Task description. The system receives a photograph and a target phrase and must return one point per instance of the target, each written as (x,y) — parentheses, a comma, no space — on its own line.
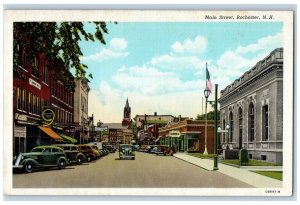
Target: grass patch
(251,162)
(202,156)
(272,174)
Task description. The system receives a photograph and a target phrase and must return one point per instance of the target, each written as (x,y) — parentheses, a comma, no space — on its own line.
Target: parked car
(87,151)
(95,150)
(41,157)
(110,148)
(136,147)
(98,144)
(143,148)
(73,153)
(126,151)
(152,149)
(164,150)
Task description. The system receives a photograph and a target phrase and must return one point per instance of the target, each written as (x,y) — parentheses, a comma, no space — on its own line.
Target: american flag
(209,85)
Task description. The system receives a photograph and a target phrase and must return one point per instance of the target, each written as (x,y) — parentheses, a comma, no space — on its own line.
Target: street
(147,171)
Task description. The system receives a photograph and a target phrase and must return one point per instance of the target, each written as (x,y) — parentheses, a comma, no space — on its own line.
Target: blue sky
(160,67)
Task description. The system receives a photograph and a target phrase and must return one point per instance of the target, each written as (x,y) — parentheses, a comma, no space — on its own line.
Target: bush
(243,157)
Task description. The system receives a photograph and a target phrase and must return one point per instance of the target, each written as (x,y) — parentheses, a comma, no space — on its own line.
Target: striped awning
(51,133)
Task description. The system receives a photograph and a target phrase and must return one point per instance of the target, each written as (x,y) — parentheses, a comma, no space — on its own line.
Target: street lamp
(225,131)
(99,123)
(206,94)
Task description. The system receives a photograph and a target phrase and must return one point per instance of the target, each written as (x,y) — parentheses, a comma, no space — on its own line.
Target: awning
(68,139)
(51,133)
(158,138)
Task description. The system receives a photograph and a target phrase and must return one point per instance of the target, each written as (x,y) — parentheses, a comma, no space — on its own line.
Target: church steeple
(127,114)
(127,110)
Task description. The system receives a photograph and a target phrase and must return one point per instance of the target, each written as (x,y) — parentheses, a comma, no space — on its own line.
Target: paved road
(147,171)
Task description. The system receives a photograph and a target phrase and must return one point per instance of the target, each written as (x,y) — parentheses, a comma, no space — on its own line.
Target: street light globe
(219,129)
(206,93)
(227,127)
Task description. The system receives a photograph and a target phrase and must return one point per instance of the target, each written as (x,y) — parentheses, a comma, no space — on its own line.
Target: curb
(194,164)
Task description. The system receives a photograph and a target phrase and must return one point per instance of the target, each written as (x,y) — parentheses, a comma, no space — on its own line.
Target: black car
(73,153)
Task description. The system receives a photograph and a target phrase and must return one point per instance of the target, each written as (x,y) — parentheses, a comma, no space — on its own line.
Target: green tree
(57,40)
(210,116)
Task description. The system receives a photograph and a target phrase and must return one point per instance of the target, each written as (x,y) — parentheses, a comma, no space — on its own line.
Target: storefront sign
(34,83)
(20,131)
(48,115)
(174,133)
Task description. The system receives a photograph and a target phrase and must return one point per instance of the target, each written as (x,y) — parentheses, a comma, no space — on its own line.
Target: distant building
(148,125)
(81,118)
(127,115)
(253,108)
(188,136)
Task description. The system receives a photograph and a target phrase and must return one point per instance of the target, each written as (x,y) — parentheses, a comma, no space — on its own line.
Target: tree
(57,40)
(210,116)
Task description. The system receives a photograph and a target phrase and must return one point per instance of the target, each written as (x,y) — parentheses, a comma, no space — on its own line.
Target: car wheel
(79,160)
(28,167)
(133,158)
(88,159)
(61,164)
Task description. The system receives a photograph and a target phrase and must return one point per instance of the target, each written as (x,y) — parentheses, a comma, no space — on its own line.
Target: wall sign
(48,115)
(34,83)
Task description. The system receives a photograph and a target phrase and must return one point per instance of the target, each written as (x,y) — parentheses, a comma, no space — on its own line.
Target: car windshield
(37,150)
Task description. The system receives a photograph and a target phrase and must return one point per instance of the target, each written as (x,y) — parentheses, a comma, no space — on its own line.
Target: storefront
(187,136)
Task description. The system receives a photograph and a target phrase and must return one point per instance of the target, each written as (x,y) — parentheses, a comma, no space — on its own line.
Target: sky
(160,67)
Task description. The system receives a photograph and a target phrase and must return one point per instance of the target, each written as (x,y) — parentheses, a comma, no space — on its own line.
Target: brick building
(39,84)
(188,136)
(252,107)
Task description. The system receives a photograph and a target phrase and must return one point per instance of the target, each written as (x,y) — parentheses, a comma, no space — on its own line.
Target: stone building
(81,109)
(252,107)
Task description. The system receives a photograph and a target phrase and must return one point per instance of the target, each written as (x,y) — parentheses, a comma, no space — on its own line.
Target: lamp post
(227,128)
(99,123)
(206,94)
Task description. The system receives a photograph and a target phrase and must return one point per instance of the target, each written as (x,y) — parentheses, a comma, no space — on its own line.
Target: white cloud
(196,46)
(265,43)
(171,62)
(118,43)
(116,50)
(151,81)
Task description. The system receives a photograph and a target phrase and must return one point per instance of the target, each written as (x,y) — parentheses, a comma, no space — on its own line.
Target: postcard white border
(11,16)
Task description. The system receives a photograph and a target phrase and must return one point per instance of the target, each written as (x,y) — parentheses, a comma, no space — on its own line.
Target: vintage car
(126,151)
(72,152)
(87,150)
(95,150)
(164,150)
(41,157)
(152,149)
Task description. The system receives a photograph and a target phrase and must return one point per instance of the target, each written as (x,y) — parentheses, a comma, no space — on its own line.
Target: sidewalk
(242,174)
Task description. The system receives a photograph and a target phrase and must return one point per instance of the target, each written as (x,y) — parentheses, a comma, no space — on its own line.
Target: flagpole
(205,149)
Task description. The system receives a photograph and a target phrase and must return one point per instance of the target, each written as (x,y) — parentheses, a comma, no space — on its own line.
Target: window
(240,127)
(224,127)
(265,123)
(34,104)
(19,104)
(231,126)
(45,73)
(22,58)
(263,157)
(24,100)
(35,68)
(29,102)
(251,122)
(52,85)
(38,105)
